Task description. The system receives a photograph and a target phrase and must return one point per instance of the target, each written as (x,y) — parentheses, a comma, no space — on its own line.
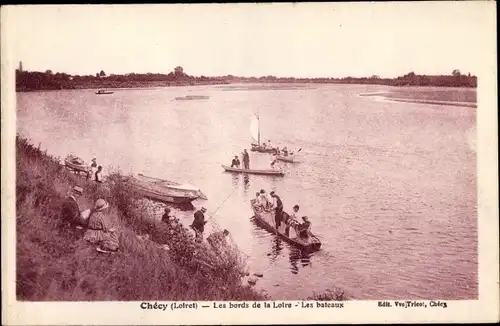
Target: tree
(456,72)
(102,73)
(178,71)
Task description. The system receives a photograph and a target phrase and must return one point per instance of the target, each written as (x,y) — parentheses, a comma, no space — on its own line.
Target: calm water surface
(390,187)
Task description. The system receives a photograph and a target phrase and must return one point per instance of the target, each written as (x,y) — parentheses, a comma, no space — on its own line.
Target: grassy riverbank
(56,264)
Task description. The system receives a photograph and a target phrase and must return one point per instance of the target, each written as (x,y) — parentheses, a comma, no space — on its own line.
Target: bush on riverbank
(56,264)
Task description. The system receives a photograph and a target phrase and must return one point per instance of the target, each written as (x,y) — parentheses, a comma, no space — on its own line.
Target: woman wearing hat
(100,231)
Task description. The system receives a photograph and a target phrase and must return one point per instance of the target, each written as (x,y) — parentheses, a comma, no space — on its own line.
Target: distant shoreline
(33,81)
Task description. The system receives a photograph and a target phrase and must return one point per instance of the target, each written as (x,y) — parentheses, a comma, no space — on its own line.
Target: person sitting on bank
(98,174)
(235,163)
(166,218)
(218,240)
(100,231)
(71,214)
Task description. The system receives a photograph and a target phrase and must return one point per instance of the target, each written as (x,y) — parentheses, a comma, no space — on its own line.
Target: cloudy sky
(301,40)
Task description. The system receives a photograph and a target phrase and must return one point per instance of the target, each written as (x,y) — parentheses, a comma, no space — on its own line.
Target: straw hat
(78,190)
(203,209)
(100,205)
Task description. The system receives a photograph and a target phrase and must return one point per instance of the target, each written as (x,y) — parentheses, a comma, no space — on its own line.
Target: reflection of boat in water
(266,221)
(296,256)
(76,163)
(192,97)
(251,171)
(103,92)
(163,190)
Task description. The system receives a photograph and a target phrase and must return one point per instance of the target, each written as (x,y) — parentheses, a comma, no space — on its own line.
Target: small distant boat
(102,92)
(255,132)
(266,221)
(192,97)
(289,159)
(250,171)
(76,163)
(165,191)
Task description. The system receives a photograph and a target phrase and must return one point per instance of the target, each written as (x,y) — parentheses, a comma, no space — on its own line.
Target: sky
(296,40)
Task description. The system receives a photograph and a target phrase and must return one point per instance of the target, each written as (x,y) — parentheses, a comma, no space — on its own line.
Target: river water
(390,187)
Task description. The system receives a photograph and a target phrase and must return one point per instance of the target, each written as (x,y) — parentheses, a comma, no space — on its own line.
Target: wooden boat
(289,158)
(266,221)
(255,132)
(188,188)
(103,92)
(250,171)
(192,97)
(161,190)
(261,149)
(76,163)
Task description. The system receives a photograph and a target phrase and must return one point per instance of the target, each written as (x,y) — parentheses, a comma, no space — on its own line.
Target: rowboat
(250,171)
(187,188)
(103,92)
(289,159)
(266,220)
(192,97)
(162,190)
(76,163)
(261,149)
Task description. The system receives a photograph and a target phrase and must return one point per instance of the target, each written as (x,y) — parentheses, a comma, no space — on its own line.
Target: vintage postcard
(249,163)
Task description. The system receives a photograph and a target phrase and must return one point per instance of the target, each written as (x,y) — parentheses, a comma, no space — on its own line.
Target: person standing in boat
(246,160)
(199,223)
(263,200)
(278,210)
(235,163)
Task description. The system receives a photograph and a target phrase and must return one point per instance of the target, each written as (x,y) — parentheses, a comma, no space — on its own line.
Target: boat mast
(258,120)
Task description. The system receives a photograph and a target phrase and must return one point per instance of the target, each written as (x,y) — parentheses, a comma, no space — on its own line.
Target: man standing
(246,160)
(199,223)
(279,209)
(71,214)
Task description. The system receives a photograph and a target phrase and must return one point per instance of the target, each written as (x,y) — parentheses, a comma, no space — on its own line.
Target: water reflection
(277,247)
(235,179)
(246,183)
(298,259)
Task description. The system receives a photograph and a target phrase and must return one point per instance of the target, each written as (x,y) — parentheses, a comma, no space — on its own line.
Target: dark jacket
(199,221)
(70,211)
(235,162)
(279,203)
(246,157)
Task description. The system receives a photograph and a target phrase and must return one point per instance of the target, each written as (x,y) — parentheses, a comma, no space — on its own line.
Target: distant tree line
(33,80)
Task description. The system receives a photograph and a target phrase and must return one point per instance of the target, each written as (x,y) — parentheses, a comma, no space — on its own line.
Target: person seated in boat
(235,163)
(98,174)
(264,145)
(285,151)
(263,200)
(274,164)
(269,145)
(304,228)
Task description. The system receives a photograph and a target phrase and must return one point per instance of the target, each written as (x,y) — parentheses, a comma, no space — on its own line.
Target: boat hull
(75,166)
(158,192)
(259,172)
(266,221)
(289,159)
(260,149)
(104,93)
(187,189)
